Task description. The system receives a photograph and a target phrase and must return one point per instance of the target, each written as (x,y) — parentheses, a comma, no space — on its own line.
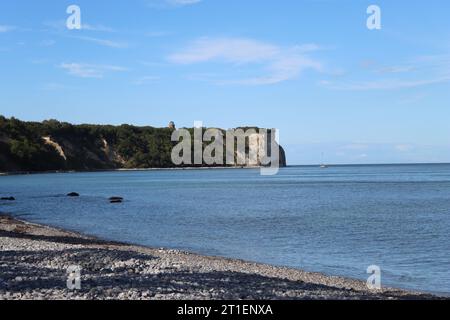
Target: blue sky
(310,68)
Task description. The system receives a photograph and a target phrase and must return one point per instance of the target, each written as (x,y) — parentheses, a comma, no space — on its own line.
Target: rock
(8,199)
(116,199)
(73,194)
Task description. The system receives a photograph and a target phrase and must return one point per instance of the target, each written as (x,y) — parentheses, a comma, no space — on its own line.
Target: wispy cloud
(279,63)
(439,63)
(373,66)
(396,69)
(47,43)
(183,2)
(414,73)
(98,28)
(145,80)
(54,86)
(226,49)
(412,98)
(39,61)
(103,42)
(171,3)
(85,34)
(4,29)
(60,25)
(84,70)
(153,64)
(389,84)
(157,34)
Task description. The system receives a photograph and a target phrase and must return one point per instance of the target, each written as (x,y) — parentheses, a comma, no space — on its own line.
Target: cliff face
(256,142)
(283,161)
(52,145)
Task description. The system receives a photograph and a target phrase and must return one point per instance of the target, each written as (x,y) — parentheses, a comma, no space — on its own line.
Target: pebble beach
(34,260)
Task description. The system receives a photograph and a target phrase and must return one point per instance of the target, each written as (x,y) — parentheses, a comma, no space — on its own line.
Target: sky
(337,91)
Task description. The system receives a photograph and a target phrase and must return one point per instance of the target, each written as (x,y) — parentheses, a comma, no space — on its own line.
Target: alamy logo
(74,278)
(374,281)
(250,147)
(74,20)
(374,20)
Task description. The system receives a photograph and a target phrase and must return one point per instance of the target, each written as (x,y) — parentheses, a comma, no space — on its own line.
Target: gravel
(34,260)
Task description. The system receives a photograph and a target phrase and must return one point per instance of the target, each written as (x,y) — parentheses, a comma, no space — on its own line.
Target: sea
(338,220)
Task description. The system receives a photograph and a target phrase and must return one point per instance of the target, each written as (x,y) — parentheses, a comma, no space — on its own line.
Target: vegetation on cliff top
(23,146)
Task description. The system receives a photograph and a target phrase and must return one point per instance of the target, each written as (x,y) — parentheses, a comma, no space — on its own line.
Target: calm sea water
(337,221)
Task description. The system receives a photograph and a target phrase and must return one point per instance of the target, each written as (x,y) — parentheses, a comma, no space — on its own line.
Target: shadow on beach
(71,240)
(108,273)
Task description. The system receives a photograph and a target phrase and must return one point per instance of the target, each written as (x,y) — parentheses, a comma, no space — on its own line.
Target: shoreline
(20,173)
(35,259)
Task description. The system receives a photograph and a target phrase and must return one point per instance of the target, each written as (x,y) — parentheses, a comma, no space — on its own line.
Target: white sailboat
(323,165)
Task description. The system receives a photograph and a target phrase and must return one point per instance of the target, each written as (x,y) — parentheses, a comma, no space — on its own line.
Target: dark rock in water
(8,199)
(73,194)
(116,199)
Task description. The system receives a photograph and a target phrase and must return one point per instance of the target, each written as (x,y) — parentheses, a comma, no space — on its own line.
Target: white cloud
(39,61)
(283,69)
(84,70)
(54,86)
(103,42)
(60,25)
(385,84)
(4,29)
(412,98)
(396,69)
(47,43)
(417,72)
(146,79)
(183,2)
(153,63)
(156,34)
(280,64)
(233,50)
(98,27)
(86,29)
(171,3)
(437,60)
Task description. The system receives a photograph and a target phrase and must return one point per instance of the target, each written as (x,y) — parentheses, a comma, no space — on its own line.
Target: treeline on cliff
(22,147)
(84,147)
